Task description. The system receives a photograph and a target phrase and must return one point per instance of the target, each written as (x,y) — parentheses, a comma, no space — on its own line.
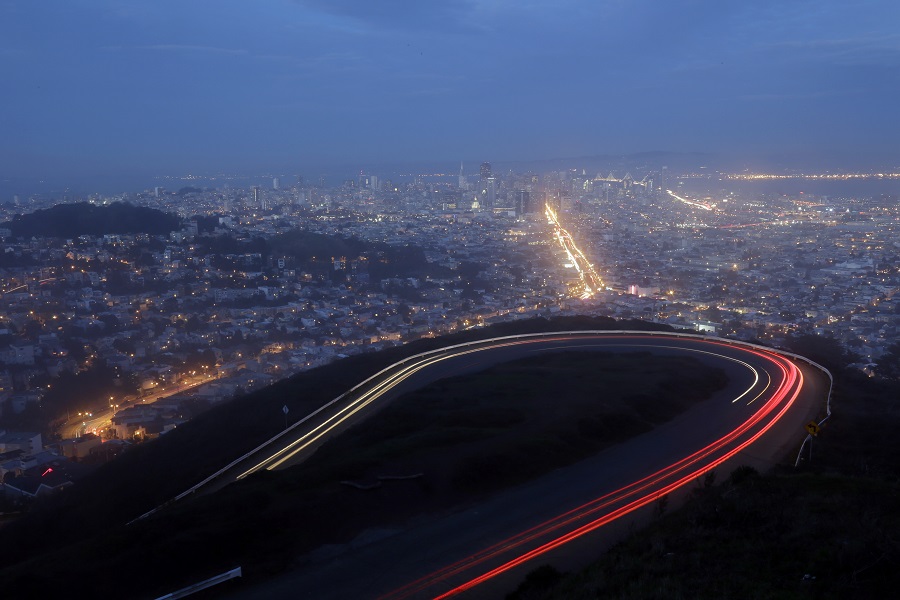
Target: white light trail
(689,202)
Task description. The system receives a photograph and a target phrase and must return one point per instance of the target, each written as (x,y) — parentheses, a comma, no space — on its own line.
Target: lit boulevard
(590,281)
(693,203)
(99,421)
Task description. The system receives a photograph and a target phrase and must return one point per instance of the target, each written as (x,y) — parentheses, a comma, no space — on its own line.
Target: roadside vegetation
(515,421)
(749,535)
(267,521)
(828,529)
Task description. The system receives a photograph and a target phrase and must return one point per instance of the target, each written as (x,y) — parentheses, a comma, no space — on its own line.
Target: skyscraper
(523,202)
(487,187)
(491,193)
(462,178)
(259,200)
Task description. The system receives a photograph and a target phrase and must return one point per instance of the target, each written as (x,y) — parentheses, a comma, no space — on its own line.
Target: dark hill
(382,260)
(835,519)
(153,473)
(83,218)
(826,529)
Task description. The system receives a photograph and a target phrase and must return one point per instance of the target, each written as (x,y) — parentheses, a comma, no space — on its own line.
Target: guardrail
(193,489)
(208,583)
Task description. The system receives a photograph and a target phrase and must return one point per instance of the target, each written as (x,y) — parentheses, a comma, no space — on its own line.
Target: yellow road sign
(813,428)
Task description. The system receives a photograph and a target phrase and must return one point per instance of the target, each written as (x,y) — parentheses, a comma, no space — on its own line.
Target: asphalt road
(569,516)
(101,419)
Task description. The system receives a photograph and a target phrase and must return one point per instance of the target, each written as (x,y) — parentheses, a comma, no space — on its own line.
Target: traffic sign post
(813,428)
(285,410)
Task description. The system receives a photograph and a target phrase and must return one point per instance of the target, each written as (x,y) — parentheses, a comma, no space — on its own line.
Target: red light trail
(613,505)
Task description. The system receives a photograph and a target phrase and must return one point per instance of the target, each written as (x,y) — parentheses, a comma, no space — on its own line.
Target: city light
(591,283)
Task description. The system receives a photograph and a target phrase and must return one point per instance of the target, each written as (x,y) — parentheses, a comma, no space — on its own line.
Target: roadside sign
(813,428)
(284,409)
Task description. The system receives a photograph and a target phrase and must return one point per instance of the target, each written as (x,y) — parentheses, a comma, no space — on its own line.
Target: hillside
(153,473)
(827,529)
(382,260)
(458,440)
(83,218)
(834,518)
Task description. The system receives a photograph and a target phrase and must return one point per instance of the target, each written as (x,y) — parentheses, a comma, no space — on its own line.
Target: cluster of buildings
(757,267)
(201,314)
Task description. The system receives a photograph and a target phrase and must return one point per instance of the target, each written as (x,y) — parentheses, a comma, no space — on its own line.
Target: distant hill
(384,260)
(316,251)
(82,218)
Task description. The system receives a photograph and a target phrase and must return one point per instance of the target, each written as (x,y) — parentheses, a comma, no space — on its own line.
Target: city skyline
(343,298)
(108,90)
(216,318)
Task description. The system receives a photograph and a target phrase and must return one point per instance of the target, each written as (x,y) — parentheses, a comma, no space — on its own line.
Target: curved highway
(571,513)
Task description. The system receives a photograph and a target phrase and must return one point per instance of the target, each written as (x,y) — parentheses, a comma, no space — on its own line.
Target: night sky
(100,87)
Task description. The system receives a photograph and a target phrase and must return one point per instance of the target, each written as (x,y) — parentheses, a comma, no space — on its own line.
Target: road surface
(571,514)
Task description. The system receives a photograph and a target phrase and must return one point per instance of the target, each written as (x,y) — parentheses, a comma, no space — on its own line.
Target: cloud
(193,48)
(432,15)
(697,65)
(801,95)
(850,51)
(330,60)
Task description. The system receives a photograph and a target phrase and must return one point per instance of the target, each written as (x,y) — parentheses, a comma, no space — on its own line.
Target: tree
(825,350)
(32,328)
(404,311)
(111,322)
(125,346)
(889,363)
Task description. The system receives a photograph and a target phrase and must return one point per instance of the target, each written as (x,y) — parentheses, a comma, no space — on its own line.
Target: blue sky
(203,86)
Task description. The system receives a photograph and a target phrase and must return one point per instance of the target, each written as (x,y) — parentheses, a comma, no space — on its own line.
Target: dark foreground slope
(83,218)
(449,445)
(827,529)
(153,473)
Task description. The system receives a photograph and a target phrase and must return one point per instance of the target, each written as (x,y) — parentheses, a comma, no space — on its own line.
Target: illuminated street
(591,282)
(99,421)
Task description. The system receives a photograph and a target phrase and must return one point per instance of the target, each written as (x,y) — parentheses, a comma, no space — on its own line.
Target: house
(18,354)
(79,448)
(48,475)
(26,441)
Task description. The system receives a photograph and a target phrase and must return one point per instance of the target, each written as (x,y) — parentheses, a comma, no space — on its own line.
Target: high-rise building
(523,203)
(450,199)
(258,201)
(276,184)
(486,170)
(487,193)
(462,178)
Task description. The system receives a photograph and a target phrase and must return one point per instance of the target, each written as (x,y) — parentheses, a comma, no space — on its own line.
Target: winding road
(570,515)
